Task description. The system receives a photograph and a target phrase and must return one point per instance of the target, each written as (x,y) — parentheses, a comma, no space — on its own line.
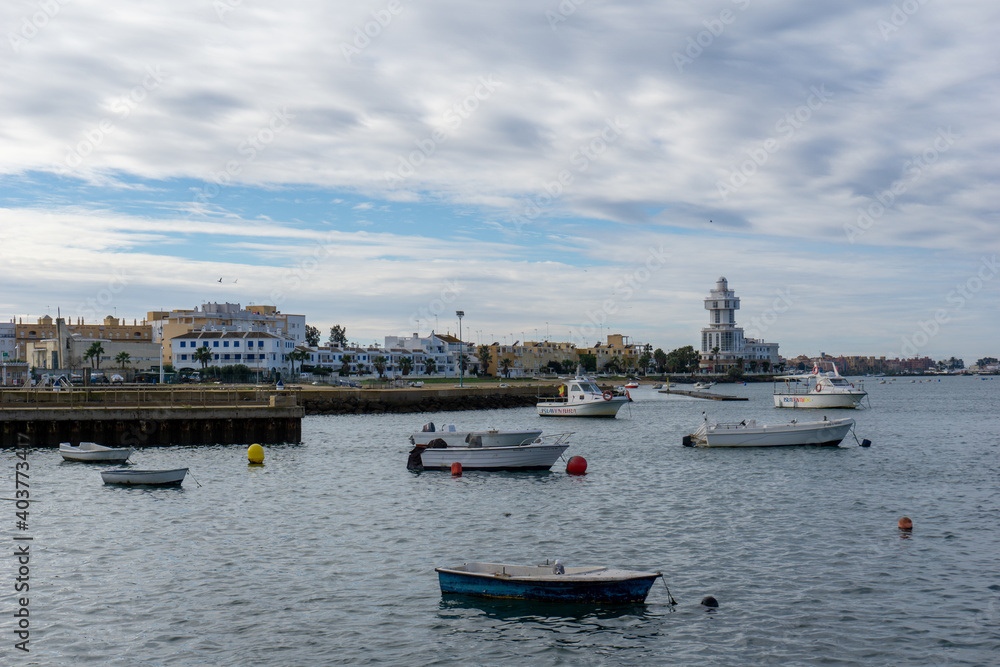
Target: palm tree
(405,365)
(93,354)
(297,355)
(379,363)
(123,359)
(504,366)
(715,357)
(463,362)
(430,366)
(203,355)
(484,358)
(345,365)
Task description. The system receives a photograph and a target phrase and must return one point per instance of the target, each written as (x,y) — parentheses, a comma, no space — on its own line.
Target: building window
(237,357)
(225,356)
(215,343)
(184,357)
(182,344)
(236,343)
(225,343)
(216,357)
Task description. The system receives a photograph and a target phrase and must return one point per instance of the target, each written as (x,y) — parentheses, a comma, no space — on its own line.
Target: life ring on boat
(607,396)
(819,387)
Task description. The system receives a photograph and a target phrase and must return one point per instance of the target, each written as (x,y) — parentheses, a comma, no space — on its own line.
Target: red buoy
(905,523)
(456,469)
(577,465)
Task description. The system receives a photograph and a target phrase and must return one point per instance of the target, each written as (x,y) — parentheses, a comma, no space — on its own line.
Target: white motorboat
(144,477)
(581,397)
(489,437)
(93,452)
(703,386)
(818,389)
(538,454)
(750,434)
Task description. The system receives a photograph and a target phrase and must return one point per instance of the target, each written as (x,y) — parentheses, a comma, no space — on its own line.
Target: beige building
(533,357)
(67,353)
(112,328)
(167,325)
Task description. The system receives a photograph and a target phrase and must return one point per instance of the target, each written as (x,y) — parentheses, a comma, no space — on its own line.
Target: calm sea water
(326,554)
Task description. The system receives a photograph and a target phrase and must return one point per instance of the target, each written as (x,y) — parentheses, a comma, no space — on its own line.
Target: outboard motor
(686,441)
(428,427)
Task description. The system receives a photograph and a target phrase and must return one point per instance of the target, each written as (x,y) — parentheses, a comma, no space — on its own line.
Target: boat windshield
(838,382)
(588,387)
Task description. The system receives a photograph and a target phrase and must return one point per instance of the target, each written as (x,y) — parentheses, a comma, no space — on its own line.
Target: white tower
(721,332)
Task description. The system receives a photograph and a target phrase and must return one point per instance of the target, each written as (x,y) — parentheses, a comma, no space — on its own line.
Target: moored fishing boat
(90,452)
(748,433)
(581,397)
(818,389)
(547,582)
(489,437)
(144,477)
(539,454)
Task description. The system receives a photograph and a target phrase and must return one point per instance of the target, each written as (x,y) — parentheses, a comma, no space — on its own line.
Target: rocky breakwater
(323,401)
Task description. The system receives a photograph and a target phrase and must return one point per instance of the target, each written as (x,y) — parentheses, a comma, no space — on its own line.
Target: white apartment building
(258,350)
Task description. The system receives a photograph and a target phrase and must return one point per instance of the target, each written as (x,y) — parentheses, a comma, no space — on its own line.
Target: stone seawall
(381,401)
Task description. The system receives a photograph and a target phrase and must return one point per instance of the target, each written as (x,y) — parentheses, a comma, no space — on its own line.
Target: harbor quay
(159,416)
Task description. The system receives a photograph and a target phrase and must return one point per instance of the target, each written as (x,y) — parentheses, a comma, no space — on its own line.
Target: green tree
(203,355)
(338,336)
(463,362)
(589,362)
(483,353)
(379,363)
(312,336)
(504,366)
(765,366)
(93,354)
(297,355)
(123,359)
(660,357)
(430,366)
(715,357)
(345,365)
(405,365)
(644,361)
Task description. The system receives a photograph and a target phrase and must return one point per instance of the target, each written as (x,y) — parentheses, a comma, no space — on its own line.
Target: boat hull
(825,433)
(597,408)
(609,586)
(525,457)
(819,400)
(144,477)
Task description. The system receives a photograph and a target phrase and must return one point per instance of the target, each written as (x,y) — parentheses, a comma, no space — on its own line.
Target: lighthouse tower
(721,332)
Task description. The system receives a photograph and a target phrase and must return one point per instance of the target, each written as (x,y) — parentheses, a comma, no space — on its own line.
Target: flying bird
(220,280)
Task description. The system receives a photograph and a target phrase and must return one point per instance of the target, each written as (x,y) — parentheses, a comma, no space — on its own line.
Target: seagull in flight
(220,280)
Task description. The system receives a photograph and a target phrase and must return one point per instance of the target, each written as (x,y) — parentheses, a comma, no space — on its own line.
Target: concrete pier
(703,394)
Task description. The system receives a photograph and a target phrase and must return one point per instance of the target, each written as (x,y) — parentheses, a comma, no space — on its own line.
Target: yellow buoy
(255,454)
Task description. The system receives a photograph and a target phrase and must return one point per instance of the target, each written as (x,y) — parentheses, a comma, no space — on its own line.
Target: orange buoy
(905,524)
(577,465)
(456,469)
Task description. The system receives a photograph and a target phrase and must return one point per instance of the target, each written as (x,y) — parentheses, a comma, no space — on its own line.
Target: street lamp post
(461,349)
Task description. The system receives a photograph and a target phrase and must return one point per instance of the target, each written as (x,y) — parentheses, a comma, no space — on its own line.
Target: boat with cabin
(581,397)
(817,389)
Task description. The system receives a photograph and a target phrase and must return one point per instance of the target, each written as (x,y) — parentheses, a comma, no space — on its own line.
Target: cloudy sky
(562,169)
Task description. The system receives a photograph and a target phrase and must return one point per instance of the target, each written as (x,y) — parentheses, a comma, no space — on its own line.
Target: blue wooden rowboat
(527,582)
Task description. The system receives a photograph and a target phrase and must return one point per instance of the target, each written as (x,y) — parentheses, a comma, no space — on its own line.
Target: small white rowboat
(144,477)
(91,451)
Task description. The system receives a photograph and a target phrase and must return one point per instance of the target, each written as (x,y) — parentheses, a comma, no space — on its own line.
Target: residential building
(166,325)
(67,353)
(258,350)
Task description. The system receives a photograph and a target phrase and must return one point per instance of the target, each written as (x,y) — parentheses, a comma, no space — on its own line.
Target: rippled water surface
(326,554)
